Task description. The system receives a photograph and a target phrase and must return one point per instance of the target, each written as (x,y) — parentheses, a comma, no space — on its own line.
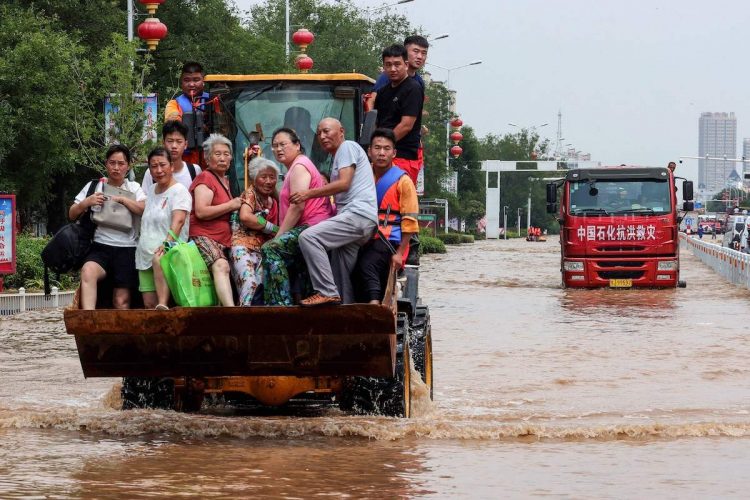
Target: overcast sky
(630,77)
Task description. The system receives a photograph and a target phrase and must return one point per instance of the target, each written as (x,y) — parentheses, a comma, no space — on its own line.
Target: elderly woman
(259,218)
(168,204)
(283,252)
(213,205)
(112,253)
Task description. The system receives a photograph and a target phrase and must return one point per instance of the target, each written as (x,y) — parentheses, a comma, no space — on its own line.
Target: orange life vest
(389,209)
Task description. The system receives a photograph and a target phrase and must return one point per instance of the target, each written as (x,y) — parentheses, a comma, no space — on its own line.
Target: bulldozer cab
(249,108)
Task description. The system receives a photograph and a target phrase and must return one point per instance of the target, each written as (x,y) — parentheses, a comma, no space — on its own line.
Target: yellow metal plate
(621,283)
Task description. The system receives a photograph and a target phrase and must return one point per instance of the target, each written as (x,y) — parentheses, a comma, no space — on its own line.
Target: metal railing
(12,303)
(731,264)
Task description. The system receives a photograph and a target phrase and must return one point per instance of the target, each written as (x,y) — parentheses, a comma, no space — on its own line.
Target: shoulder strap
(384,183)
(221,183)
(191,169)
(92,187)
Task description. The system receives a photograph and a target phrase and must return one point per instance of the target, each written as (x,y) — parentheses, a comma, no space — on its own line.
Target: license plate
(621,283)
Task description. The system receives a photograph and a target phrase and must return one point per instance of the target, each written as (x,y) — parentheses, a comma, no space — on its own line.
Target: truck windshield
(299,106)
(620,197)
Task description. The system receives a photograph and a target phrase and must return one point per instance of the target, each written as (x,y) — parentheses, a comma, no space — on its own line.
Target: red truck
(619,226)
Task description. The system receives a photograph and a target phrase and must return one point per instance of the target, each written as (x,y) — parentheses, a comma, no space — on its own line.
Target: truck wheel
(147,392)
(188,394)
(383,396)
(421,345)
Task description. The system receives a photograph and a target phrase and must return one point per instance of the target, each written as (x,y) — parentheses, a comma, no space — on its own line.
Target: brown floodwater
(539,391)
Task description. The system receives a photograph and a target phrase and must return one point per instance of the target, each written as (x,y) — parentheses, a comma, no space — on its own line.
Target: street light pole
(131,14)
(518,221)
(286,28)
(505,221)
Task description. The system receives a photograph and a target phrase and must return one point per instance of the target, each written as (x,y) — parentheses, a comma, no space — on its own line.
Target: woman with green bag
(168,204)
(213,205)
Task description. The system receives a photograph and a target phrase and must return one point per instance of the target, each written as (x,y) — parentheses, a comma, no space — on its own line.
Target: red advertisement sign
(7,233)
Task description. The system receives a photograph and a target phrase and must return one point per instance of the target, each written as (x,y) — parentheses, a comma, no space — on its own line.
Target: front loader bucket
(358,339)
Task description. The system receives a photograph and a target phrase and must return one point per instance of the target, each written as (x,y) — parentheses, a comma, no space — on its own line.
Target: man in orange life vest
(398,208)
(190,108)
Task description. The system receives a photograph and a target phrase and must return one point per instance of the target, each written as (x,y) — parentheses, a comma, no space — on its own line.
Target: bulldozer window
(297,106)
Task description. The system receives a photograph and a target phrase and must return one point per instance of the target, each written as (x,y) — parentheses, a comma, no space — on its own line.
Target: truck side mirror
(688,206)
(551,208)
(687,190)
(551,192)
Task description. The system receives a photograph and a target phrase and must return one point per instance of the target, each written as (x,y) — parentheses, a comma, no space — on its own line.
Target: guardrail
(12,303)
(731,264)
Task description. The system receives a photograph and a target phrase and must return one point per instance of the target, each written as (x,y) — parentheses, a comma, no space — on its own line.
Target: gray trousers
(342,235)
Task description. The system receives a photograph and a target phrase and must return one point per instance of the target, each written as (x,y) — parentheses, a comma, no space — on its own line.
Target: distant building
(745,169)
(717,137)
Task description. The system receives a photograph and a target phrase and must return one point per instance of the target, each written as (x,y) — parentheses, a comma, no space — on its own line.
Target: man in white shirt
(174,135)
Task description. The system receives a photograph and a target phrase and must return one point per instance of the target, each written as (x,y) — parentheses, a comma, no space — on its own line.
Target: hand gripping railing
(731,264)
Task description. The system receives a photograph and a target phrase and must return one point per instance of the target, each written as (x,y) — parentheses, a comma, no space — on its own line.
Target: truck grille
(609,275)
(620,264)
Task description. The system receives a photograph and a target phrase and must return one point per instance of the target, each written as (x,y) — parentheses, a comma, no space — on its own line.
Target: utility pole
(505,221)
(518,222)
(559,141)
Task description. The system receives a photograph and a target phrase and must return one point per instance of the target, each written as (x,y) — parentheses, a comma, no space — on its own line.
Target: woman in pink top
(282,254)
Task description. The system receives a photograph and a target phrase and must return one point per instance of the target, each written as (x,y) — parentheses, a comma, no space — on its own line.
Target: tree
(38,98)
(437,115)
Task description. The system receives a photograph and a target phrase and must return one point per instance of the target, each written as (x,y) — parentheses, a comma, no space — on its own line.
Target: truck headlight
(666,265)
(572,265)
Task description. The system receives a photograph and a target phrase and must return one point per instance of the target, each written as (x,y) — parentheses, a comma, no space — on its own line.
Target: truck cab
(733,231)
(618,227)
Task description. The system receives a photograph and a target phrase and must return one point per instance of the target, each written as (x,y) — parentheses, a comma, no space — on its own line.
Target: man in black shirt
(399,106)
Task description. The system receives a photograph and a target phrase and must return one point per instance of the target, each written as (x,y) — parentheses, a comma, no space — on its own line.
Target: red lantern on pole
(456,137)
(151,5)
(152,31)
(303,38)
(456,122)
(304,63)
(456,151)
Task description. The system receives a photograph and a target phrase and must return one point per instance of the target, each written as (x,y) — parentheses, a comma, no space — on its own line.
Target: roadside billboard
(7,234)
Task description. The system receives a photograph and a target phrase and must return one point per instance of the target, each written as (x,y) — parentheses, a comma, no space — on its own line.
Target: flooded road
(538,391)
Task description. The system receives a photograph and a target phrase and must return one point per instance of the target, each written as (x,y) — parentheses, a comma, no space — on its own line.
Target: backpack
(191,169)
(69,246)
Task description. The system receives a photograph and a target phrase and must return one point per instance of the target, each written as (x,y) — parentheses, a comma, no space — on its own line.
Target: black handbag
(68,248)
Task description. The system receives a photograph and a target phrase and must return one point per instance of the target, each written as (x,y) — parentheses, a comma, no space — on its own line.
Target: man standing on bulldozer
(190,108)
(399,105)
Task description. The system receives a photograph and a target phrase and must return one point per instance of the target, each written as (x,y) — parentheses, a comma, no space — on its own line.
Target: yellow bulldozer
(357,356)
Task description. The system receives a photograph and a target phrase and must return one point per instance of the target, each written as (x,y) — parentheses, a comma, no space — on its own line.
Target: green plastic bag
(188,277)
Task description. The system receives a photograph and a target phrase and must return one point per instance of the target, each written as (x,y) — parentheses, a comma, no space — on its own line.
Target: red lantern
(151,5)
(304,63)
(303,38)
(456,122)
(456,151)
(152,31)
(456,137)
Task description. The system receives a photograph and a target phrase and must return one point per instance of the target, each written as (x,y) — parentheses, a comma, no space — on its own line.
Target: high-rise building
(717,137)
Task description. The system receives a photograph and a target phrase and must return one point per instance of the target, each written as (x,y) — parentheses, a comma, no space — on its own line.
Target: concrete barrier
(731,264)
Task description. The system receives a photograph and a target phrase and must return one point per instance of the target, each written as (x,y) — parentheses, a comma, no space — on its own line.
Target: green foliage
(479,236)
(428,244)
(450,238)
(29,268)
(467,238)
(37,103)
